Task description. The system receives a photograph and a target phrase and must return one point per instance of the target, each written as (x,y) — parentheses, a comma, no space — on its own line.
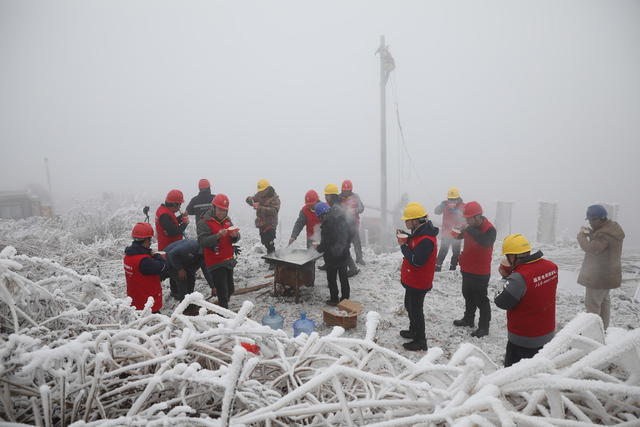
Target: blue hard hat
(596,212)
(321,208)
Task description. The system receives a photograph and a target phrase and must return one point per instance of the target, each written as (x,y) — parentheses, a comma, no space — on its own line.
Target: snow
(65,320)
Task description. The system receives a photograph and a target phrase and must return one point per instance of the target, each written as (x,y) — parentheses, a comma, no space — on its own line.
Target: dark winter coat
(184,254)
(602,266)
(334,237)
(153,266)
(200,203)
(267,210)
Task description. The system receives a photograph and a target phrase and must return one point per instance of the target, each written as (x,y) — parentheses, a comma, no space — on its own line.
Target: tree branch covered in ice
(68,358)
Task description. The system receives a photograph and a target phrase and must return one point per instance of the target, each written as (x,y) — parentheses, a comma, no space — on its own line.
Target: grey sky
(521,101)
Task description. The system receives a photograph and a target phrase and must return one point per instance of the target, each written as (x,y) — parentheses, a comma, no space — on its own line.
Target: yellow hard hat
(413,211)
(453,193)
(263,184)
(331,189)
(515,244)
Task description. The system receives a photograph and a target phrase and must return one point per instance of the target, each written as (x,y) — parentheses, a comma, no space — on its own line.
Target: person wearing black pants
(223,281)
(445,244)
(184,257)
(267,238)
(516,353)
(266,202)
(418,268)
(528,296)
(334,246)
(414,304)
(479,235)
(335,270)
(474,291)
(216,236)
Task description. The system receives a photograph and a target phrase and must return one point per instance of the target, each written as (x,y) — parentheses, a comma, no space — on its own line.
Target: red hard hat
(204,183)
(472,209)
(174,196)
(142,230)
(311,198)
(347,185)
(221,201)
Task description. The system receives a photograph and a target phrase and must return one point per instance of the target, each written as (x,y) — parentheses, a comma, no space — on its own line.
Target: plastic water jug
(273,319)
(303,325)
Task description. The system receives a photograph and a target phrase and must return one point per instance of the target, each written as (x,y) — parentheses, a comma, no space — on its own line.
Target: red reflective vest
(224,249)
(163,239)
(451,217)
(419,277)
(312,221)
(535,314)
(139,286)
(476,259)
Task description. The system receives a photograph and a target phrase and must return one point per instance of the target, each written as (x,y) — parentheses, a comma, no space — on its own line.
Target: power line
(402,137)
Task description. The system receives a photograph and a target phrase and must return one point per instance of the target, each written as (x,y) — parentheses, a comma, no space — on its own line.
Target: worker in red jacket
(307,218)
(529,296)
(419,251)
(451,211)
(216,236)
(479,235)
(170,228)
(143,269)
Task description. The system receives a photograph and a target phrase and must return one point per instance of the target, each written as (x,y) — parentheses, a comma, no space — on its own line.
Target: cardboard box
(347,321)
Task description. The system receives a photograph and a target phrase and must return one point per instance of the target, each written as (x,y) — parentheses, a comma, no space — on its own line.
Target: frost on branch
(67,358)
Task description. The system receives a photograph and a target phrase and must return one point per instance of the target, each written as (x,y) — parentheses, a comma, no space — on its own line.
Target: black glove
(237,250)
(249,200)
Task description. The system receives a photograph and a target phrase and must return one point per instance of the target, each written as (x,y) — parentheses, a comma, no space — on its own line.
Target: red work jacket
(139,286)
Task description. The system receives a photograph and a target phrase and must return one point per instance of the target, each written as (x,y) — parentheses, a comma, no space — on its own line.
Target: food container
(344,315)
(402,237)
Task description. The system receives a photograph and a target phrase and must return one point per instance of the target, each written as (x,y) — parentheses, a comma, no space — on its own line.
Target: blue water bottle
(273,319)
(303,325)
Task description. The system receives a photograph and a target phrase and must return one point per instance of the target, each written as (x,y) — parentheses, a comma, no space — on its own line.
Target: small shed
(20,204)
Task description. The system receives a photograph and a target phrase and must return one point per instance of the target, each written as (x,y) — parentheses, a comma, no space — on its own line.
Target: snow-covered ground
(91,241)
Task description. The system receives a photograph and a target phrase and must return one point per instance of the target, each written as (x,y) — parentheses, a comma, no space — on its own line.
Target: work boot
(480,332)
(352,273)
(360,261)
(463,322)
(332,302)
(453,267)
(322,267)
(416,345)
(438,268)
(407,334)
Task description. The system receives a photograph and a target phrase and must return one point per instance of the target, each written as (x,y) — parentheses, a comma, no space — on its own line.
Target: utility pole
(46,166)
(383,137)
(387,64)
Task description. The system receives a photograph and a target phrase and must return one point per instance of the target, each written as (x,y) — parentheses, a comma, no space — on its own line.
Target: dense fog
(516,101)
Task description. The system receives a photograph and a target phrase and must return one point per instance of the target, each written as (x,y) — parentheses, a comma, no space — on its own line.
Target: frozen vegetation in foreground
(72,353)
